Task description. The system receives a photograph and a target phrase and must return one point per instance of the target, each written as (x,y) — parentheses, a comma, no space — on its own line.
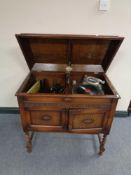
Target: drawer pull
(46,117)
(88,121)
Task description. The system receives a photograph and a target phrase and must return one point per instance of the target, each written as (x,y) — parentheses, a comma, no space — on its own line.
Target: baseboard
(9,110)
(121,114)
(15,110)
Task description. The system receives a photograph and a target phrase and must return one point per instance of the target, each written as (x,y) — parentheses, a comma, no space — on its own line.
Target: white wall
(62,16)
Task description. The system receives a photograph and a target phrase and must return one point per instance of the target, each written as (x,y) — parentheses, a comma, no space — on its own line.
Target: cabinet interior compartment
(60,78)
(47,81)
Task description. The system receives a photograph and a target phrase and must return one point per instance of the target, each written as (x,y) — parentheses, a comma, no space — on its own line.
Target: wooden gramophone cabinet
(48,56)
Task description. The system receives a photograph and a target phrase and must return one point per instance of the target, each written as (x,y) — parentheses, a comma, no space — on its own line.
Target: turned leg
(102,143)
(28,138)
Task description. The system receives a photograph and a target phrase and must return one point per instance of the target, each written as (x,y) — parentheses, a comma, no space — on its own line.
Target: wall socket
(104,5)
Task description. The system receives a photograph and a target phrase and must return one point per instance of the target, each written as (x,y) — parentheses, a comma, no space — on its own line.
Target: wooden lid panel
(69,49)
(48,51)
(89,51)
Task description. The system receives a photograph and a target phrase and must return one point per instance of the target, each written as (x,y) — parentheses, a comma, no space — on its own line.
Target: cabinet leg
(28,138)
(129,111)
(102,143)
(129,108)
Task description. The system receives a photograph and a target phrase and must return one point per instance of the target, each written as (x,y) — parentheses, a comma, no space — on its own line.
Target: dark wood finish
(84,119)
(65,49)
(48,56)
(55,119)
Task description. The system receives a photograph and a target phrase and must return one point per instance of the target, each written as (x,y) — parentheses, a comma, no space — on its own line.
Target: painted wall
(62,16)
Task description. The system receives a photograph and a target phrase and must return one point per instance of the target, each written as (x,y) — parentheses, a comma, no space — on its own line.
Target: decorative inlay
(46,117)
(88,121)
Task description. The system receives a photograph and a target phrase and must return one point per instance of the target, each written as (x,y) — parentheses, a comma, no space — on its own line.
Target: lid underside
(69,49)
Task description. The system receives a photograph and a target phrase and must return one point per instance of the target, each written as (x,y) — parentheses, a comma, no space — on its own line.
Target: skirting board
(9,110)
(15,110)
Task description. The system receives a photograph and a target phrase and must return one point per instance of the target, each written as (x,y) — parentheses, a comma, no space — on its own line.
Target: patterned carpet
(64,154)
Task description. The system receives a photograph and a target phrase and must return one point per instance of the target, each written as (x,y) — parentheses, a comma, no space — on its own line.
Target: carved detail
(88,121)
(84,123)
(46,117)
(66,105)
(67,99)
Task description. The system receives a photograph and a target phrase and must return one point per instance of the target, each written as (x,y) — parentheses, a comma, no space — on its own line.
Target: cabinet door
(48,120)
(87,120)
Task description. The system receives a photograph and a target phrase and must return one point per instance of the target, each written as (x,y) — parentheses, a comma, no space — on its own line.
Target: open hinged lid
(69,49)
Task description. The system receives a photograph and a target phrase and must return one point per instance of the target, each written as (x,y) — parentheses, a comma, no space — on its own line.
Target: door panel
(49,119)
(85,119)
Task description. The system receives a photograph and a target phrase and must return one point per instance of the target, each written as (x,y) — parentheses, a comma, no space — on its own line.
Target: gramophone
(90,85)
